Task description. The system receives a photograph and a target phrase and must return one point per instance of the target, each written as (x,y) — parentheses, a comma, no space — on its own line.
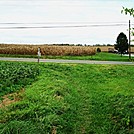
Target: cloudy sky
(63,21)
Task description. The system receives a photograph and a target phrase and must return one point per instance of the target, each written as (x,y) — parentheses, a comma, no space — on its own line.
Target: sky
(63,21)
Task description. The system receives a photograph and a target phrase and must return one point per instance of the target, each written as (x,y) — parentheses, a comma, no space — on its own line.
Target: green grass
(18,56)
(103,56)
(74,99)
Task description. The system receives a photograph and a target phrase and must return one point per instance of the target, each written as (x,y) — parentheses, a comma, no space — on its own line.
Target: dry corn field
(105,48)
(47,50)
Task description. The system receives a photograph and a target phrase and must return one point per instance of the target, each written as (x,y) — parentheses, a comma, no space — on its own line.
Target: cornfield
(47,50)
(105,48)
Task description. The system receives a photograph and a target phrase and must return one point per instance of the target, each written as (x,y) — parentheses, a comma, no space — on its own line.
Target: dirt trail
(11,98)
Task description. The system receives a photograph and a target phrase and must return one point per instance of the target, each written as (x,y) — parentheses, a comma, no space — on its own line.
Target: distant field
(51,49)
(69,99)
(46,50)
(61,52)
(105,48)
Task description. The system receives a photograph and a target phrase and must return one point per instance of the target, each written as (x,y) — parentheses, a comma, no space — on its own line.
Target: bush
(14,75)
(98,50)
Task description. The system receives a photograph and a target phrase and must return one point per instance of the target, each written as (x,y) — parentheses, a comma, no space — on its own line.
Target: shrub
(98,50)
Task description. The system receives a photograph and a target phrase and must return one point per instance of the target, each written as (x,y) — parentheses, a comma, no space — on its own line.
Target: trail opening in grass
(11,98)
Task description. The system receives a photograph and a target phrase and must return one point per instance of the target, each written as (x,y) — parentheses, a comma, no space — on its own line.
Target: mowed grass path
(74,99)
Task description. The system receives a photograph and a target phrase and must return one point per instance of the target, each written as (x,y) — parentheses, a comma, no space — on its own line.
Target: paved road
(65,61)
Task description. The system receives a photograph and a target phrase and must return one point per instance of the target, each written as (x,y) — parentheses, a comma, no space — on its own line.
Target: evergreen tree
(121,43)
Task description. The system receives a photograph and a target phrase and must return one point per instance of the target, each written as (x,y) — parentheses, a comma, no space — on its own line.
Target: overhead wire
(47,25)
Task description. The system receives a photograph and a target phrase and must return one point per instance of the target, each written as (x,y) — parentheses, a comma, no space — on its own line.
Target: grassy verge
(99,56)
(18,56)
(74,99)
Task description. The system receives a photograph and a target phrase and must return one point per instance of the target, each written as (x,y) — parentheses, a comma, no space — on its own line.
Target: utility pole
(129,45)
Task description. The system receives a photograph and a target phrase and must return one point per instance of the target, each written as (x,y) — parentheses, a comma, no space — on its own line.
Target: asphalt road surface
(66,61)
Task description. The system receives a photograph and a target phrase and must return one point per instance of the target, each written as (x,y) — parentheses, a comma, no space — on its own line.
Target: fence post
(39,54)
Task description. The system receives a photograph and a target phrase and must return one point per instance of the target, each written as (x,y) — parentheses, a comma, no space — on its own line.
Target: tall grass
(74,99)
(46,50)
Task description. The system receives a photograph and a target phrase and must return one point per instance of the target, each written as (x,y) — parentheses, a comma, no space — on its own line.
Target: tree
(129,11)
(121,43)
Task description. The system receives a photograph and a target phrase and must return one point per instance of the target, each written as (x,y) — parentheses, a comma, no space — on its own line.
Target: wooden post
(39,54)
(129,44)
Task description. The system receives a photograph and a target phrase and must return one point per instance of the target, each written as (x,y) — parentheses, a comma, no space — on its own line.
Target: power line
(64,26)
(48,25)
(16,23)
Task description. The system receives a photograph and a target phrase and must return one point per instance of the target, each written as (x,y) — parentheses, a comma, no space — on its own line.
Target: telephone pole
(129,44)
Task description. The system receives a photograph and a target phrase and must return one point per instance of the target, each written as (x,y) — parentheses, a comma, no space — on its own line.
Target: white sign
(39,53)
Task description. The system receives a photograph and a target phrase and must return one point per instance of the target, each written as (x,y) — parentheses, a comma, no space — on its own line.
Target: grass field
(103,56)
(74,99)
